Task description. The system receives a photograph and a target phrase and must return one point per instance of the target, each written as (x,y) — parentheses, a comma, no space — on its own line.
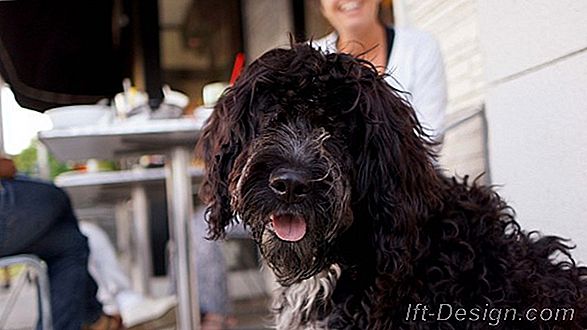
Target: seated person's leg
(115,290)
(105,268)
(30,208)
(212,274)
(36,217)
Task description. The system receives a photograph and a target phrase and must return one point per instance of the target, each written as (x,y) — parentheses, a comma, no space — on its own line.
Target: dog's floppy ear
(393,153)
(396,180)
(226,135)
(222,140)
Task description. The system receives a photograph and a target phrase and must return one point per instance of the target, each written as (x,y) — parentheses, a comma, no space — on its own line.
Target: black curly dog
(334,176)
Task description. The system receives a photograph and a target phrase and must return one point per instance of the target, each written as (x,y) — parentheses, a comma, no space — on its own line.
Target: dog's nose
(291,186)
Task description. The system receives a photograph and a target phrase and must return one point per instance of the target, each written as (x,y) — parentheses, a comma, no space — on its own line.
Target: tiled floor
(251,313)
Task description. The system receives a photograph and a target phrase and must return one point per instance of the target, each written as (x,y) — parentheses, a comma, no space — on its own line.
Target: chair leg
(15,291)
(6,278)
(40,269)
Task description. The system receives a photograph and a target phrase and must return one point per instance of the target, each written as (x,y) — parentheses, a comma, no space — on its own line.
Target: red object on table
(239,63)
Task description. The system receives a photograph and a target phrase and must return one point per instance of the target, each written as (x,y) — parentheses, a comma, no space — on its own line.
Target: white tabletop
(124,177)
(91,189)
(110,141)
(174,137)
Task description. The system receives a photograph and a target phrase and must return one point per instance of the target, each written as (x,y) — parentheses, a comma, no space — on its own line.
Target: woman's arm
(430,90)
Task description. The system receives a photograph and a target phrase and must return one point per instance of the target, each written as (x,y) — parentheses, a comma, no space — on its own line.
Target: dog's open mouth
(288,227)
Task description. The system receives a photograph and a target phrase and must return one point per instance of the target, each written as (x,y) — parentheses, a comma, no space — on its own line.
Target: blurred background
(516,71)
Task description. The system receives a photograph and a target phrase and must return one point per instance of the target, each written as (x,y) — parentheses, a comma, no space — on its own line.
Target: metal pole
(2,150)
(43,161)
(123,235)
(140,205)
(45,289)
(179,192)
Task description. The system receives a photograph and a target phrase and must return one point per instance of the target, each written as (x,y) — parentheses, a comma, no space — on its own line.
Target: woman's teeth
(348,6)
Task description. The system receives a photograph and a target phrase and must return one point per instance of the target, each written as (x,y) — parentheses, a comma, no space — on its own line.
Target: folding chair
(38,270)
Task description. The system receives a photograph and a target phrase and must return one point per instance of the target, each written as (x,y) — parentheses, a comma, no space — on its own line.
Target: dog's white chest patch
(295,305)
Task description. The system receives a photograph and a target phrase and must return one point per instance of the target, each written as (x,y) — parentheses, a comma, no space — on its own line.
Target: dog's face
(291,184)
(290,150)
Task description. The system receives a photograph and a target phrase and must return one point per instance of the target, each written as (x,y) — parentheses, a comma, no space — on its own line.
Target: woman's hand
(7,168)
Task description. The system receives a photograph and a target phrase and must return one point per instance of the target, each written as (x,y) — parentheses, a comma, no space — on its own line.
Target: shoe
(147,310)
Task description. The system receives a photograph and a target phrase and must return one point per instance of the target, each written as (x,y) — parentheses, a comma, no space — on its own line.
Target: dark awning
(55,53)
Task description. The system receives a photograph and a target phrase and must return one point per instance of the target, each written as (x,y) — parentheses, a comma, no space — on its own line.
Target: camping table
(174,137)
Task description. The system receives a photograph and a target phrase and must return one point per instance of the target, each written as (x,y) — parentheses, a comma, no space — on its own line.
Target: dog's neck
(353,249)
(356,258)
(304,305)
(308,304)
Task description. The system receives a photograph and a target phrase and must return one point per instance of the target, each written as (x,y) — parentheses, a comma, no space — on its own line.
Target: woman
(412,58)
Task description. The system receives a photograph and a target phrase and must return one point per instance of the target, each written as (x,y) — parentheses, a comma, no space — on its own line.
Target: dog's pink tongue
(288,227)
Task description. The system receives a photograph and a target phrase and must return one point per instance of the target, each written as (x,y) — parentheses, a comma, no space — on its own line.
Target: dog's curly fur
(385,228)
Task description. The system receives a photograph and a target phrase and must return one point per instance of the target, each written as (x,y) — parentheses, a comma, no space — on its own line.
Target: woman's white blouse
(415,66)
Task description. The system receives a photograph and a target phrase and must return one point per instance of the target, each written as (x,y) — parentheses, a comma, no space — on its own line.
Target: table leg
(179,196)
(43,162)
(123,235)
(140,206)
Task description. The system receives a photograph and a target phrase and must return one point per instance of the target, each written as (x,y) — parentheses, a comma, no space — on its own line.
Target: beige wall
(527,62)
(536,55)
(267,25)
(455,25)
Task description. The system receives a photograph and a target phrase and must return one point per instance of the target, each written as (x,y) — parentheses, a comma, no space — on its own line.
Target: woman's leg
(211,268)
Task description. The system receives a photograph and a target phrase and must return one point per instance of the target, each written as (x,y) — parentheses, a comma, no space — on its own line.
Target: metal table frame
(114,188)
(175,138)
